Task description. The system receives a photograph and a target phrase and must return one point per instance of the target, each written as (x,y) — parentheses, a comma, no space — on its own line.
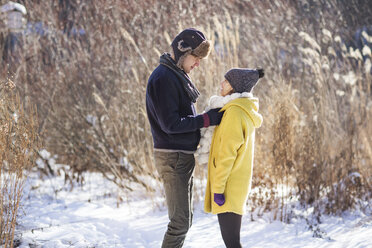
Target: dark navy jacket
(172,116)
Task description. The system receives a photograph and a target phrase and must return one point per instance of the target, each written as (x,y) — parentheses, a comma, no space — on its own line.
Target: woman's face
(226,88)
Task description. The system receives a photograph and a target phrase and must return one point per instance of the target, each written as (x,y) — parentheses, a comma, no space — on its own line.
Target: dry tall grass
(315,97)
(18,146)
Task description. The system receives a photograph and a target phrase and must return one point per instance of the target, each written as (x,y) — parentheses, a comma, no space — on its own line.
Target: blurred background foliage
(85,66)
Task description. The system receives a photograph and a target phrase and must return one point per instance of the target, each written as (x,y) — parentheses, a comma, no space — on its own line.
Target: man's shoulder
(162,72)
(162,76)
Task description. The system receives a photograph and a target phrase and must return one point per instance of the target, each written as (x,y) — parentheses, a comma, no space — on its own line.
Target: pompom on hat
(190,41)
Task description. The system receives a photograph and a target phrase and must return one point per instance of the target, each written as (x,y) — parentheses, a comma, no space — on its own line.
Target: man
(175,127)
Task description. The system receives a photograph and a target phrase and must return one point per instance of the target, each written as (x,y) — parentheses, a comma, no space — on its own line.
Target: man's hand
(261,73)
(212,117)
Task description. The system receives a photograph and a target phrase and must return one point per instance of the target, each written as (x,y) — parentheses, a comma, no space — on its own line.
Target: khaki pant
(176,170)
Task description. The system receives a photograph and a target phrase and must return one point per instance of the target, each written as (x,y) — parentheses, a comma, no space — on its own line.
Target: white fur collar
(220,101)
(202,153)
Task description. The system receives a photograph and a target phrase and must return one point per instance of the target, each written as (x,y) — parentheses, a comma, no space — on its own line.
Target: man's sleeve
(165,97)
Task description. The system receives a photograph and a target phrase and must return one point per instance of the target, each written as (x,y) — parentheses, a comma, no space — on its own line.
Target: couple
(175,128)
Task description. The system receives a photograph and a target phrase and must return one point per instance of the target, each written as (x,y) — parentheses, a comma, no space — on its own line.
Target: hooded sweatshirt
(230,163)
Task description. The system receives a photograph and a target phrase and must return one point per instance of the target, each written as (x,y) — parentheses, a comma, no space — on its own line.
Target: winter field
(73,77)
(54,215)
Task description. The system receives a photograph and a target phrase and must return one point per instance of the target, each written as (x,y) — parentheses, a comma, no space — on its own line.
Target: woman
(230,161)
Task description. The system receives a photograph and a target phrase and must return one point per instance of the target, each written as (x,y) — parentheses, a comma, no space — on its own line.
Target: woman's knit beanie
(242,79)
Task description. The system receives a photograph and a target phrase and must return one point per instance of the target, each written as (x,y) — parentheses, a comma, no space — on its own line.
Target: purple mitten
(219,199)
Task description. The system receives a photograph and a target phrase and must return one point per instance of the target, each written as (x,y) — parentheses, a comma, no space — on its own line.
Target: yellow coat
(230,162)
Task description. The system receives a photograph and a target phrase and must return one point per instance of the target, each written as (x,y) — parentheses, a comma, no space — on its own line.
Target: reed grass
(315,97)
(18,147)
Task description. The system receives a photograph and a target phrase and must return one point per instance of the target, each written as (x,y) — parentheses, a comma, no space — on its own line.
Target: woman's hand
(219,199)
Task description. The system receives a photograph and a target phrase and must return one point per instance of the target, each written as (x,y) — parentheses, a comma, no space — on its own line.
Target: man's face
(190,63)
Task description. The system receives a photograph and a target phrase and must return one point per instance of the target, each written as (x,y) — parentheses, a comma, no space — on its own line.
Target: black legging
(230,224)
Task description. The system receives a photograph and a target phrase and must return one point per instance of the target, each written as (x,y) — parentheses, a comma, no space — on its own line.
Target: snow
(44,154)
(56,215)
(10,6)
(91,119)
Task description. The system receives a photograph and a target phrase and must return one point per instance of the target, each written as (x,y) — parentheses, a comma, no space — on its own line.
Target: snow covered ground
(54,215)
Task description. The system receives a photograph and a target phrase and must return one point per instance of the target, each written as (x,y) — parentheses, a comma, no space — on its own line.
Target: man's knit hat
(242,79)
(190,41)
